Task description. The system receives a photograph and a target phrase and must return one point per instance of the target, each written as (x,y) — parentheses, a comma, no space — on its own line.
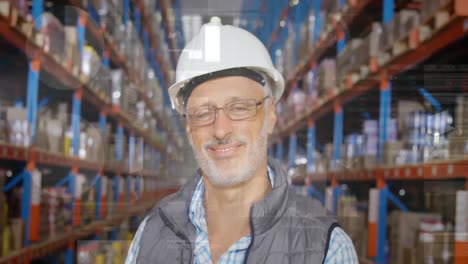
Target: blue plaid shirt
(340,250)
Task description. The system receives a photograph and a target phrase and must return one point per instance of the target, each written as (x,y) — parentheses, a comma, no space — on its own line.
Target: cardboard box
(18,127)
(17,227)
(55,132)
(403,234)
(458,146)
(388,36)
(390,152)
(404,108)
(326,78)
(369,162)
(405,21)
(437,247)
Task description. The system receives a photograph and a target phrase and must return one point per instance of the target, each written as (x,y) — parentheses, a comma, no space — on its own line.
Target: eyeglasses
(236,111)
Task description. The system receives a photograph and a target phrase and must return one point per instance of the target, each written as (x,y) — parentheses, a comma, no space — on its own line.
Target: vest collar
(263,214)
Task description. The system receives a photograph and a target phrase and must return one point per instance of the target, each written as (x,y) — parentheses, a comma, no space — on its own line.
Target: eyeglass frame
(257,104)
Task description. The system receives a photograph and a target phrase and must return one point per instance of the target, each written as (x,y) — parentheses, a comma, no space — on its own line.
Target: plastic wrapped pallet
(119,38)
(20,5)
(101,6)
(72,57)
(101,83)
(18,127)
(129,100)
(289,52)
(55,133)
(130,38)
(429,7)
(405,21)
(119,81)
(388,35)
(304,44)
(110,22)
(369,50)
(296,102)
(54,35)
(346,60)
(326,78)
(91,63)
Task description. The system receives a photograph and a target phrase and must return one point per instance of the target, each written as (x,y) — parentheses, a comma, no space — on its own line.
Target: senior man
(238,208)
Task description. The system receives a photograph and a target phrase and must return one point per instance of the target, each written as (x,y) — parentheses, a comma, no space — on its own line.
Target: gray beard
(254,158)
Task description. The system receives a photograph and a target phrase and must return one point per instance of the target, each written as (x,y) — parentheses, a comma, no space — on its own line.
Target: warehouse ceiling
(228,8)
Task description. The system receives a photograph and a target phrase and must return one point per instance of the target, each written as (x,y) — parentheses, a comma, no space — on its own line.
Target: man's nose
(222,125)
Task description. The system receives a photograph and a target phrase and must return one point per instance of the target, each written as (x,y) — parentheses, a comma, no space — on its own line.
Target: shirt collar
(197,212)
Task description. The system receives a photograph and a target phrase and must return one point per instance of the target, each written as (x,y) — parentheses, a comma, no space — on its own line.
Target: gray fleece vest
(285,227)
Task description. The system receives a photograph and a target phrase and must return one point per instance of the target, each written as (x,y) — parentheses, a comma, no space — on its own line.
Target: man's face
(230,152)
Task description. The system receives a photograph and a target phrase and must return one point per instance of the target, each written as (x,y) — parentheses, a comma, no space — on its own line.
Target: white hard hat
(218,48)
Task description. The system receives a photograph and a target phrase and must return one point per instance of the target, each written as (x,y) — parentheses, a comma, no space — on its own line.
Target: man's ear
(272,118)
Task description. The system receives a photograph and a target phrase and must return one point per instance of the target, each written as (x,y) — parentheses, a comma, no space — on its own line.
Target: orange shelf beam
(429,171)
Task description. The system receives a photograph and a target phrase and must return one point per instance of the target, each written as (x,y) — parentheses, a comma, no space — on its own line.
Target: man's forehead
(226,89)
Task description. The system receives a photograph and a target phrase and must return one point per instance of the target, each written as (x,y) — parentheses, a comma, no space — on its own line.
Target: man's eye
(201,113)
(240,107)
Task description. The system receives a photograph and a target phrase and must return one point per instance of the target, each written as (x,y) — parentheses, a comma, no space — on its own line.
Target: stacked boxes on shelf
(352,217)
(295,103)
(17,126)
(97,76)
(72,55)
(105,251)
(12,225)
(431,8)
(426,137)
(163,51)
(435,244)
(54,36)
(368,52)
(458,140)
(309,85)
(392,41)
(371,138)
(353,151)
(404,236)
(55,213)
(347,63)
(326,78)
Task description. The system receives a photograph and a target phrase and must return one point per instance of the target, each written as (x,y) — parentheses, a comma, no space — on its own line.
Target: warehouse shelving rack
(51,245)
(417,52)
(30,42)
(150,44)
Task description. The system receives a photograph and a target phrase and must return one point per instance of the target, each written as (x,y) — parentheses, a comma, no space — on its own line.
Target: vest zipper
(251,235)
(178,233)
